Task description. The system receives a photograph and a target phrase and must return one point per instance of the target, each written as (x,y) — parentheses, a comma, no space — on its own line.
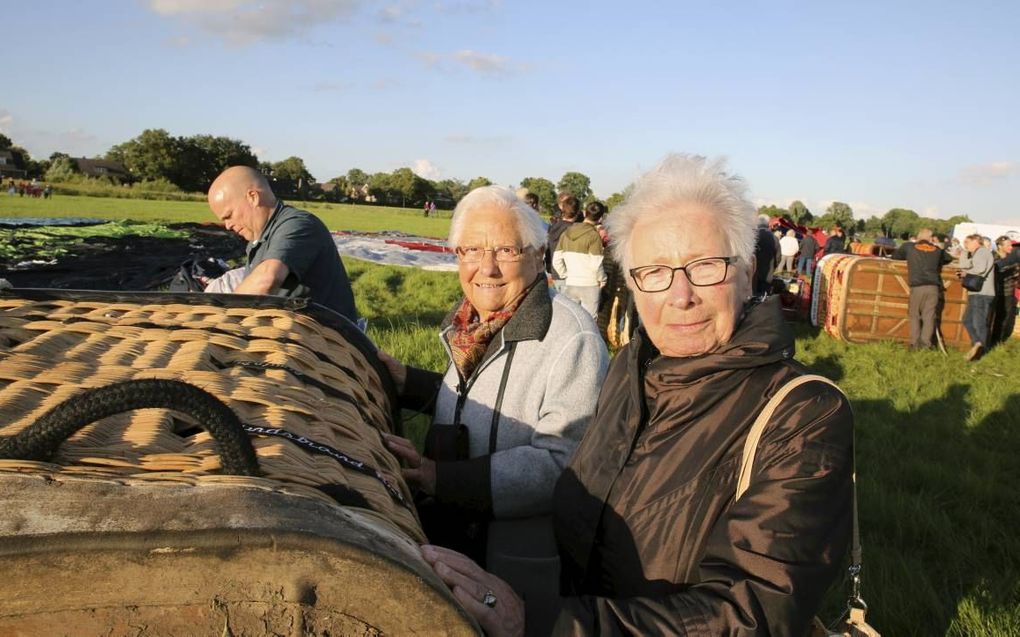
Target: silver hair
(680,179)
(529,224)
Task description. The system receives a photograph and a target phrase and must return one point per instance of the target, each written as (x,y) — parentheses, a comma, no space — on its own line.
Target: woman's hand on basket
(488,599)
(418,471)
(397,370)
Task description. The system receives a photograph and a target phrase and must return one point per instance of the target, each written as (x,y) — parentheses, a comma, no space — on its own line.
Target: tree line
(189,164)
(899,223)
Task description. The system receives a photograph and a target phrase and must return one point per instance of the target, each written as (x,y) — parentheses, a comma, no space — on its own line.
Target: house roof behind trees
(102,168)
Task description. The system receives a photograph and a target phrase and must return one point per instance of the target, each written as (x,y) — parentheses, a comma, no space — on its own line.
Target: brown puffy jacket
(651,540)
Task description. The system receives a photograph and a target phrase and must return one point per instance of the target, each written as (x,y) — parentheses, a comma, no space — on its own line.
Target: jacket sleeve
(771,557)
(559,264)
(901,253)
(420,388)
(523,477)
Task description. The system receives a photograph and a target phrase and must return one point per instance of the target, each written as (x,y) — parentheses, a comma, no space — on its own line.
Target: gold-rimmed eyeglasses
(503,254)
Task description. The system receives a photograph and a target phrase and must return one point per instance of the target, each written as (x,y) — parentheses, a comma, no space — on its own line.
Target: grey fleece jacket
(981,264)
(558,364)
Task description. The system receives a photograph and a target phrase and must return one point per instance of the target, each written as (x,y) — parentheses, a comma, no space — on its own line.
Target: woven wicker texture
(51,350)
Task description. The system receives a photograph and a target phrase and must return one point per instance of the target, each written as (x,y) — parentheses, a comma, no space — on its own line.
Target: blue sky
(878,104)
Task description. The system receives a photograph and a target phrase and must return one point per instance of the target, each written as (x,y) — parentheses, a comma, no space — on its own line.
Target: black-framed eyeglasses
(503,254)
(700,273)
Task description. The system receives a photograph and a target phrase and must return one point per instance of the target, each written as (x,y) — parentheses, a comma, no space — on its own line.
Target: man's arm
(266,278)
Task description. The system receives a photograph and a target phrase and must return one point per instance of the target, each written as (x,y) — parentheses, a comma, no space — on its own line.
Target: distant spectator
(425,208)
(835,244)
(788,247)
(766,257)
(568,212)
(808,248)
(578,260)
(955,249)
(532,200)
(1007,266)
(924,275)
(978,260)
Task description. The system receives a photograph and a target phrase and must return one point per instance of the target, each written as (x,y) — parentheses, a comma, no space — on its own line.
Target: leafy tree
(478,182)
(839,214)
(577,184)
(409,187)
(799,213)
(342,190)
(290,177)
(899,222)
(773,211)
(545,190)
(380,186)
(214,154)
(449,191)
(61,168)
(873,226)
(151,156)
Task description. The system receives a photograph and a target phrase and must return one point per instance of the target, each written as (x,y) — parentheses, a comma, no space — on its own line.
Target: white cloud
(482,63)
(6,121)
(989,173)
(244,22)
(426,169)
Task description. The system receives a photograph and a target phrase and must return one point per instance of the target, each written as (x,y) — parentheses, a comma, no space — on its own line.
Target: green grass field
(336,216)
(938,439)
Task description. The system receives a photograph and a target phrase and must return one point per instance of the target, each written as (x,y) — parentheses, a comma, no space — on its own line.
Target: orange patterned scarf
(470,336)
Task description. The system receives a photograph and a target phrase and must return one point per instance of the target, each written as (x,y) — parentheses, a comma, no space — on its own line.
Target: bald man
(290,251)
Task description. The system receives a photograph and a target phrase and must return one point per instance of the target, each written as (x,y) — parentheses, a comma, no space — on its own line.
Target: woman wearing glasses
(653,539)
(524,375)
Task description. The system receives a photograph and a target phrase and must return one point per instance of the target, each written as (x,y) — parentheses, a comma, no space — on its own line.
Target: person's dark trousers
(1005,318)
(804,265)
(921,311)
(975,319)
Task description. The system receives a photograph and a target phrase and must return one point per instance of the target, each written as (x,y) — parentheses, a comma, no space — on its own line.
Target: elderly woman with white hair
(664,526)
(524,375)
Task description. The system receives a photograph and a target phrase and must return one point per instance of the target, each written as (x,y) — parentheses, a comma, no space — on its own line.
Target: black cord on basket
(41,439)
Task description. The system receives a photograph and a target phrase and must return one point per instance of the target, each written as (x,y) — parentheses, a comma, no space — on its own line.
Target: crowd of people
(28,189)
(990,315)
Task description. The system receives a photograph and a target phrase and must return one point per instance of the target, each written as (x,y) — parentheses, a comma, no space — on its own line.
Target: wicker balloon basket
(177,464)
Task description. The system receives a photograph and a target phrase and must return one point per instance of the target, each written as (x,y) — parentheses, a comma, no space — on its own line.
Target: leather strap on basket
(856,608)
(41,439)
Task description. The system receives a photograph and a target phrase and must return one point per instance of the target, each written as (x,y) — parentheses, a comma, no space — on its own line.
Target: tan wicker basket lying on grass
(117,514)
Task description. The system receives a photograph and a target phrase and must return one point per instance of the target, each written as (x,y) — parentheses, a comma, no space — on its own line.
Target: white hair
(684,179)
(529,224)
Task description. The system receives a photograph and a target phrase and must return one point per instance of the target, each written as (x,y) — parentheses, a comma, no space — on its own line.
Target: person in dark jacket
(1007,270)
(808,247)
(836,243)
(652,537)
(569,211)
(924,276)
(766,257)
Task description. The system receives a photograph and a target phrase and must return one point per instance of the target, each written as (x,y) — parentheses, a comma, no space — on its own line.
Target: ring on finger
(489,599)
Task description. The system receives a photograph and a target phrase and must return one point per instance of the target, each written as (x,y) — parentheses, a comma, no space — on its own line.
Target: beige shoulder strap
(754,435)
